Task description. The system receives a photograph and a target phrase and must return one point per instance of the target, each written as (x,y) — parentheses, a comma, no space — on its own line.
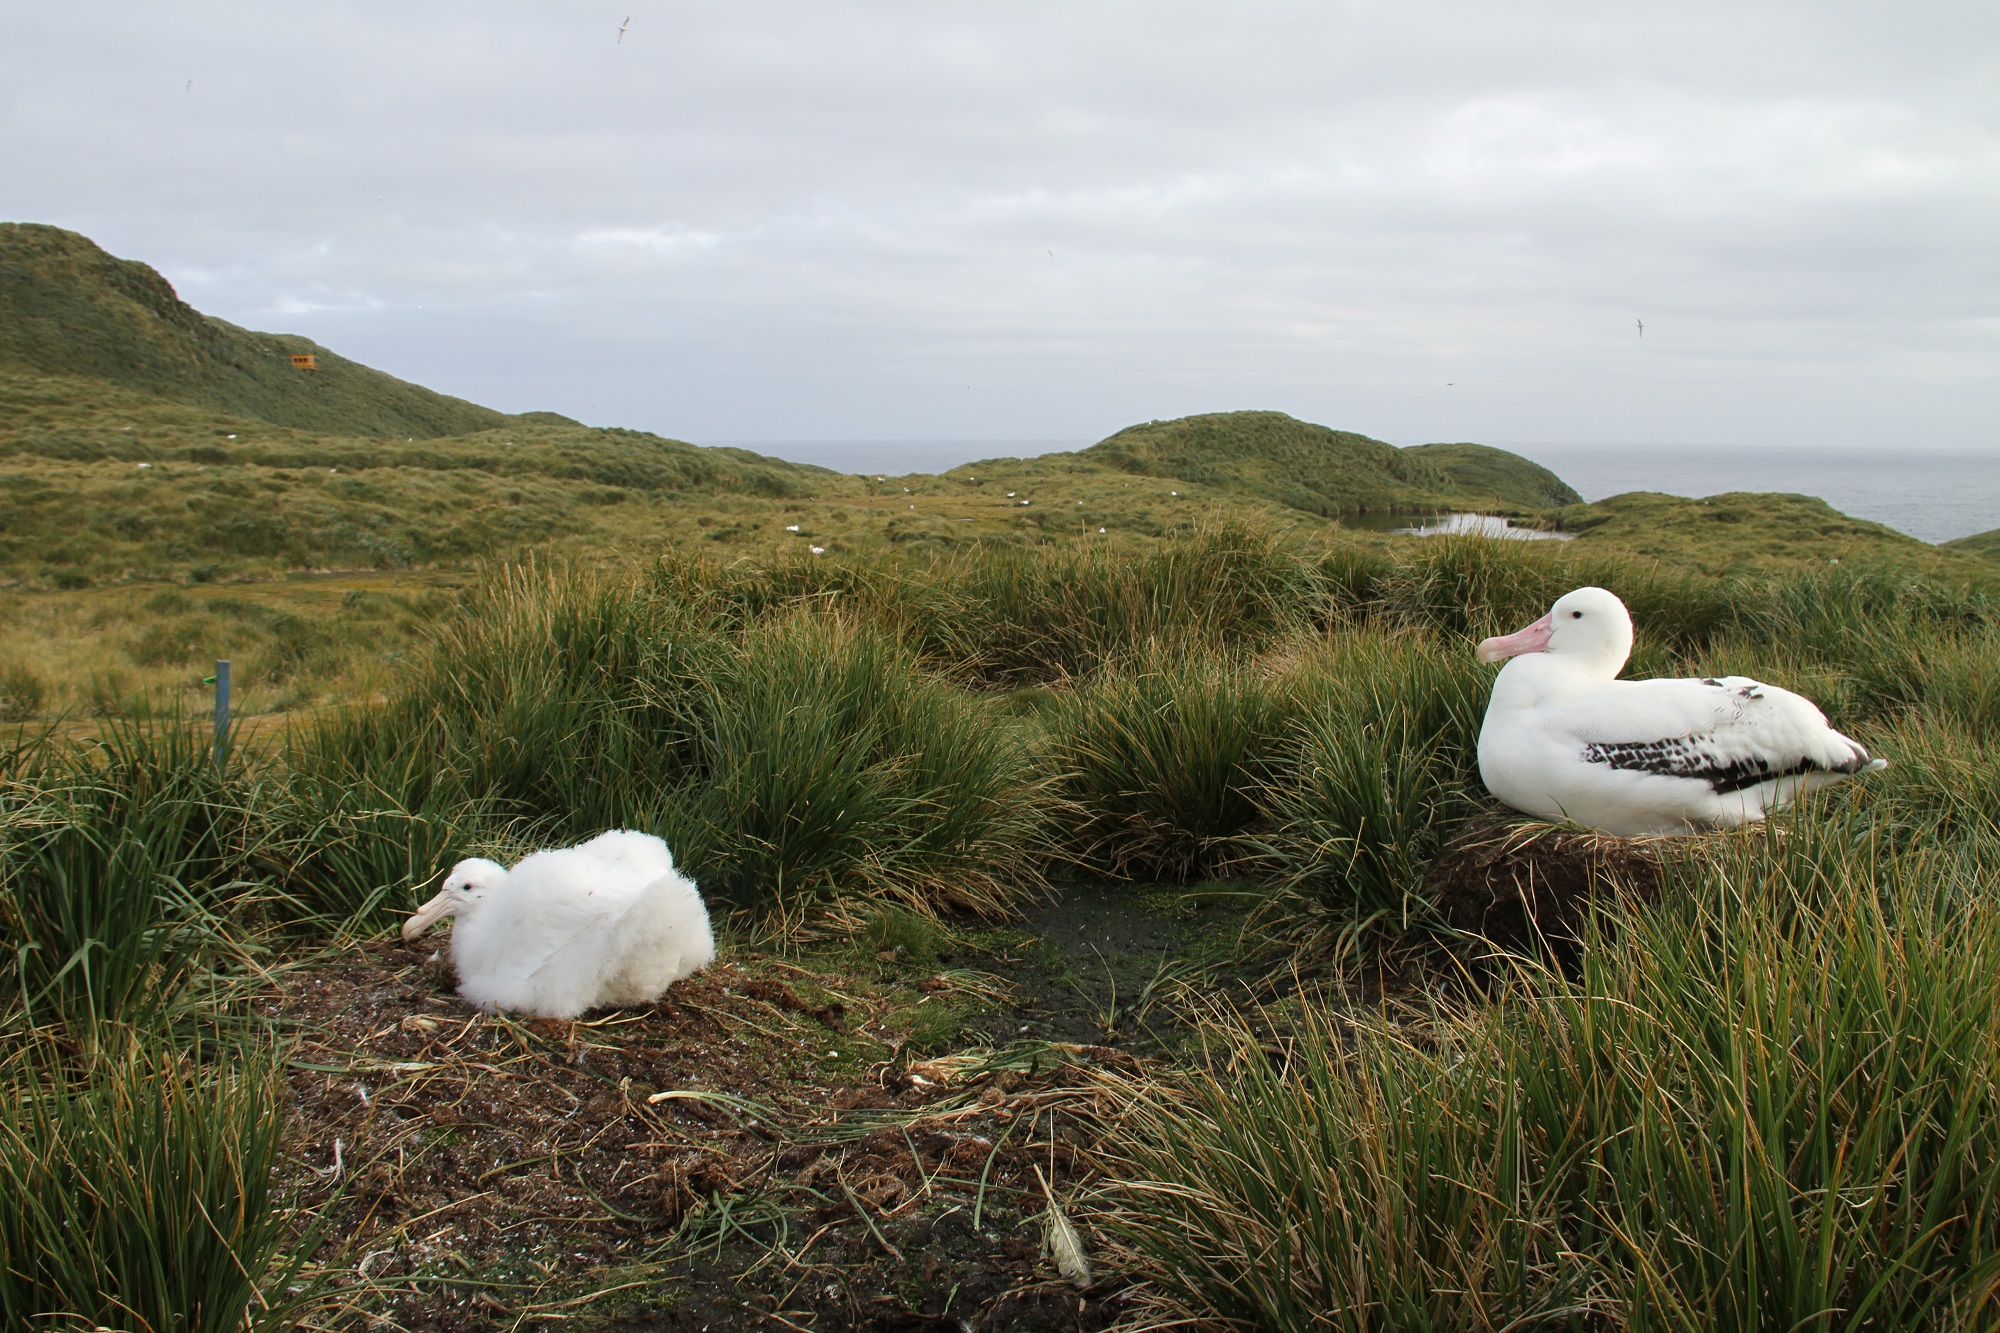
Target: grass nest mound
(1532,887)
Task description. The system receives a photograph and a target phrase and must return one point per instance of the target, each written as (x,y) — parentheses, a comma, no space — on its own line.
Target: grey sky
(947,219)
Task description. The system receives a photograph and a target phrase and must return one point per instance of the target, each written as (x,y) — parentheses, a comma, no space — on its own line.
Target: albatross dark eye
(1576,615)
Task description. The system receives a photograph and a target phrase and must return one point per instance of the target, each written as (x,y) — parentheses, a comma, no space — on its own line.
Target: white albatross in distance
(1565,739)
(607,922)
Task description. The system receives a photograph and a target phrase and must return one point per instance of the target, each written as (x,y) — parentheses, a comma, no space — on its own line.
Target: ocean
(1935,494)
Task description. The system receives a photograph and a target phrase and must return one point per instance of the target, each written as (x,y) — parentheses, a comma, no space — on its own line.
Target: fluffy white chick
(607,922)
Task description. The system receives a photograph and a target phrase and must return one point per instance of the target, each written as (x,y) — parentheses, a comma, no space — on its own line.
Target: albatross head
(464,889)
(1589,628)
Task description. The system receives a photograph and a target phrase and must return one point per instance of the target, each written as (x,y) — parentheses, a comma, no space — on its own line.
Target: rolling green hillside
(1985,545)
(1277,457)
(142,440)
(1480,469)
(1327,472)
(99,482)
(68,308)
(1741,532)
(146,440)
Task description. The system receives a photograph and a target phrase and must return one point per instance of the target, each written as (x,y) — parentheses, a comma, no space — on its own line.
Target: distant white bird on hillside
(607,922)
(1565,739)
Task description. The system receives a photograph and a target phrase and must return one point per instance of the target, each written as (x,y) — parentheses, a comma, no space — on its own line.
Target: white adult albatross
(607,922)
(1564,739)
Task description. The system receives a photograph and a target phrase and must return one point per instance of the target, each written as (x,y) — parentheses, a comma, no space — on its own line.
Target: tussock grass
(1473,587)
(1052,613)
(1355,815)
(136,1147)
(550,698)
(344,854)
(1162,759)
(831,767)
(1374,765)
(1032,615)
(137,1195)
(1766,1103)
(1944,782)
(792,761)
(115,865)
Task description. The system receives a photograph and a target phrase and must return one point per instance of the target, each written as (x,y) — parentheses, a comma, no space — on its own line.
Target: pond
(1436,525)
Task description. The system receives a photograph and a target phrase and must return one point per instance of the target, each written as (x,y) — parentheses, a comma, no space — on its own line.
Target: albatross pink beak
(440,906)
(1530,640)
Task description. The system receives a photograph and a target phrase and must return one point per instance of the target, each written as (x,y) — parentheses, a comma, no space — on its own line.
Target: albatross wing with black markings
(1564,739)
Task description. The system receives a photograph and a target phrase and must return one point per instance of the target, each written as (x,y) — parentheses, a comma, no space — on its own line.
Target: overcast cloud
(812,219)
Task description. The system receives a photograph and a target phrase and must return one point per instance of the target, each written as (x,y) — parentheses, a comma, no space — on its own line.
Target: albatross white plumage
(1565,739)
(607,922)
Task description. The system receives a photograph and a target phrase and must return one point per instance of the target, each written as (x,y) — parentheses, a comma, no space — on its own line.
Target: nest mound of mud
(1532,888)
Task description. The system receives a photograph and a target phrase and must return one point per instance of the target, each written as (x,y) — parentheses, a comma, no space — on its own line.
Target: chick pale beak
(442,905)
(1533,639)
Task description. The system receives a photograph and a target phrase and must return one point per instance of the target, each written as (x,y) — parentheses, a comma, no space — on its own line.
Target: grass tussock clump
(1371,773)
(831,768)
(136,1151)
(1766,1104)
(137,1194)
(794,762)
(118,864)
(343,852)
(22,692)
(1161,761)
(1321,767)
(1048,613)
(1473,587)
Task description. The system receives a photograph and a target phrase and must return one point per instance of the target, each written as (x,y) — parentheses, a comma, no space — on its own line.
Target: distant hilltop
(1328,472)
(69,308)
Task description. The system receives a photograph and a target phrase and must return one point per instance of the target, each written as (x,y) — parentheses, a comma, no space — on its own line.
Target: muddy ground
(854,1138)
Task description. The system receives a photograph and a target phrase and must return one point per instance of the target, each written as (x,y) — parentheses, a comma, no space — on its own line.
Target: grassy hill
(1740,532)
(1480,469)
(1313,468)
(68,308)
(1985,545)
(103,484)
(98,482)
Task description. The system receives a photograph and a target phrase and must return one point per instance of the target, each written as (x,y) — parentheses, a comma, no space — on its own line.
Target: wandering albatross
(1564,739)
(607,922)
